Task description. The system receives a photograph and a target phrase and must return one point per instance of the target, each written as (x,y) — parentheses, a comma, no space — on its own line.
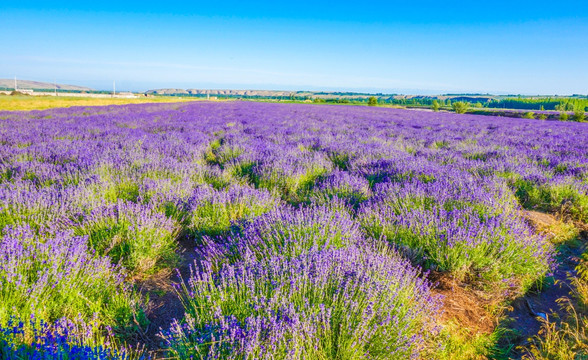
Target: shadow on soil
(164,303)
(525,316)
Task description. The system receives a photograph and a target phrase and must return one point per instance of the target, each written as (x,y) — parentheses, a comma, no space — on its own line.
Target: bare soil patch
(469,307)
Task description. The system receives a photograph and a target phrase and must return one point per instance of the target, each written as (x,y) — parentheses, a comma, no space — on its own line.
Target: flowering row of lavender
(313,226)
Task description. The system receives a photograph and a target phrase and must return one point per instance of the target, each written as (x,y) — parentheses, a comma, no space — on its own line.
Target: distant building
(125,94)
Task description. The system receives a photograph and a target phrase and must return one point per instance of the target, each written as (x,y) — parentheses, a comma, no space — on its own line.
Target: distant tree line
(575,103)
(548,103)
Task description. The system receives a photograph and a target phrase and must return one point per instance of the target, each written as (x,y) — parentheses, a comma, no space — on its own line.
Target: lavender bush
(335,304)
(460,227)
(290,171)
(135,235)
(342,185)
(55,276)
(288,232)
(212,212)
(62,339)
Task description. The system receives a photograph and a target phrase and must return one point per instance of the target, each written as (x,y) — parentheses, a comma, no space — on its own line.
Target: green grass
(138,237)
(559,198)
(292,187)
(213,212)
(461,343)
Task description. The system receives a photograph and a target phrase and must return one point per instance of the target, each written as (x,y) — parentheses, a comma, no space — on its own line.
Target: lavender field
(285,231)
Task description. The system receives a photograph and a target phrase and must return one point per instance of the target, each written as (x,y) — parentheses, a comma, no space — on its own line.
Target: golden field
(23,102)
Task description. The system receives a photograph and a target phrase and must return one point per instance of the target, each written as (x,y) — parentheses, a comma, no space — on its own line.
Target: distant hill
(264,93)
(37,85)
(316,94)
(259,93)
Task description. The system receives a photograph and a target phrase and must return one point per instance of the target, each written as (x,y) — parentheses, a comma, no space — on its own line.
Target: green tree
(372,101)
(435,106)
(460,107)
(563,116)
(529,115)
(542,117)
(579,115)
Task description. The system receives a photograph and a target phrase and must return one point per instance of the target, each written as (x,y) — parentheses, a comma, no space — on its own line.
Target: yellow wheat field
(24,102)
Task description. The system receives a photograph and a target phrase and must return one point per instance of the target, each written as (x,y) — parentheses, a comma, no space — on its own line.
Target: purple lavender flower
(39,273)
(286,231)
(322,304)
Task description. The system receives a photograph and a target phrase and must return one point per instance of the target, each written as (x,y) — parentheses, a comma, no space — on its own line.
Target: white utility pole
(15,86)
(55,84)
(113,88)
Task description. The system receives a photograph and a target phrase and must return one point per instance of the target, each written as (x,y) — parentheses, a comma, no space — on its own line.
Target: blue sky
(526,47)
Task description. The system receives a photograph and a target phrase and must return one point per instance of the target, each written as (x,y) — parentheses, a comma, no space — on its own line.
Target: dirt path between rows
(527,312)
(164,303)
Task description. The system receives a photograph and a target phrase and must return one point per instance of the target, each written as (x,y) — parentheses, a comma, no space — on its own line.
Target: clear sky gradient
(517,47)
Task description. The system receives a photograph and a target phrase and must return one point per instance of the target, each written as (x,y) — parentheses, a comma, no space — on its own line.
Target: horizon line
(326,89)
